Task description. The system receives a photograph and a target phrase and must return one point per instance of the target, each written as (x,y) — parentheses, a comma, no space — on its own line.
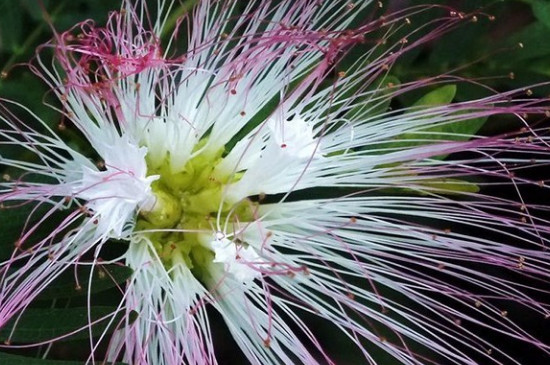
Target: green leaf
(449,186)
(36,325)
(461,130)
(24,360)
(14,220)
(440,96)
(104,277)
(541,10)
(534,43)
(11,27)
(20,216)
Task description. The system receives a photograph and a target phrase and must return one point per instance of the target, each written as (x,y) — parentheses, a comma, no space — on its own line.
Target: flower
(210,161)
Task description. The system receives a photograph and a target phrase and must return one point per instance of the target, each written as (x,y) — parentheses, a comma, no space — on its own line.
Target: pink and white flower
(210,159)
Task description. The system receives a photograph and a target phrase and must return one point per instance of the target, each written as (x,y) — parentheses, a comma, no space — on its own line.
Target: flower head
(211,164)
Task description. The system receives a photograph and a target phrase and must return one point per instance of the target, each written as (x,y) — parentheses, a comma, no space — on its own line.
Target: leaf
(13,222)
(24,360)
(19,216)
(104,277)
(461,130)
(440,96)
(449,186)
(11,27)
(36,325)
(534,43)
(541,10)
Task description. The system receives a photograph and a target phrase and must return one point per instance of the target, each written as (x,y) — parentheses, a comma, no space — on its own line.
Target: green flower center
(188,206)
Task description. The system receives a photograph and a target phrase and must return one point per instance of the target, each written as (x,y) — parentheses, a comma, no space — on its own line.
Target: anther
(521,263)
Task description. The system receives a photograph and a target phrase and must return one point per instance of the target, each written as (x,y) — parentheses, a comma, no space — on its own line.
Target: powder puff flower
(253,177)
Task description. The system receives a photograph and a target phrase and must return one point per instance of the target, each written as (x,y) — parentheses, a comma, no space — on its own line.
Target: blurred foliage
(504,37)
(22,29)
(505,47)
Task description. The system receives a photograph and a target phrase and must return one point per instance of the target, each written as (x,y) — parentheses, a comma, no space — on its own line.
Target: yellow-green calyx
(187,205)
